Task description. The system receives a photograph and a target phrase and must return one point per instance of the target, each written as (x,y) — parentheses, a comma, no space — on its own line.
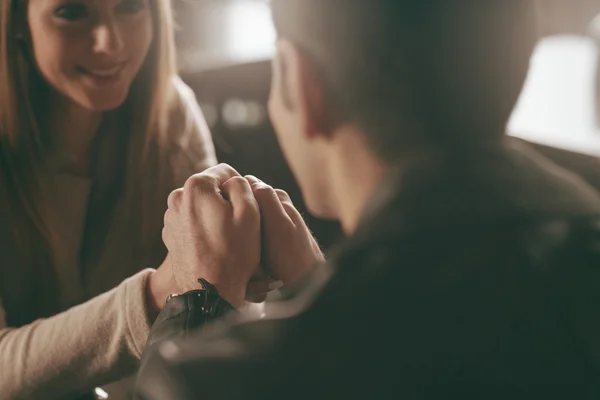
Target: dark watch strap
(206,301)
(187,312)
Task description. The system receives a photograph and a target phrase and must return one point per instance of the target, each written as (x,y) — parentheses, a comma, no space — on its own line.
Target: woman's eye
(131,6)
(71,12)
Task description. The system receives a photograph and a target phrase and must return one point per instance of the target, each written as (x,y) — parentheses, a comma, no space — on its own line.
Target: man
(471,267)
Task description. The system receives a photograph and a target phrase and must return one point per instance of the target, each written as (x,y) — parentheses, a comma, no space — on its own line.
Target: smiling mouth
(109,72)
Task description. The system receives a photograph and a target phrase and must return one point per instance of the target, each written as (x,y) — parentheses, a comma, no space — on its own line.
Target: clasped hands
(238,233)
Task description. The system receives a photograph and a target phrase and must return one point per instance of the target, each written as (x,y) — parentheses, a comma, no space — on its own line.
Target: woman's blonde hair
(24,144)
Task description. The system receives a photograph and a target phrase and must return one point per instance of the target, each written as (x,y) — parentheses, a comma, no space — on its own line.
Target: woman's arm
(94,343)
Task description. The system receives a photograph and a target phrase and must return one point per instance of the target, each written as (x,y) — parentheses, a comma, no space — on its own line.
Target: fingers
(258,289)
(220,173)
(265,195)
(283,195)
(289,208)
(262,286)
(210,181)
(208,185)
(174,198)
(239,193)
(252,179)
(271,209)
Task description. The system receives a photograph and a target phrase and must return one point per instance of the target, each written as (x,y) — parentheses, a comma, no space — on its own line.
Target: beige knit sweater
(89,345)
(100,340)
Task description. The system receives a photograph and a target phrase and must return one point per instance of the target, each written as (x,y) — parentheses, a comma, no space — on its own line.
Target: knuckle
(174,197)
(237,181)
(262,190)
(293,214)
(200,182)
(165,236)
(167,220)
(222,170)
(240,188)
(226,168)
(283,195)
(281,192)
(289,208)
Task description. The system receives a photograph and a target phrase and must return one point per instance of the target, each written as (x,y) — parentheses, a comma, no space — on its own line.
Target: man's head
(408,75)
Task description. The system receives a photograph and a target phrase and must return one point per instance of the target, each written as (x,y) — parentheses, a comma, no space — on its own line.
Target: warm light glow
(250,32)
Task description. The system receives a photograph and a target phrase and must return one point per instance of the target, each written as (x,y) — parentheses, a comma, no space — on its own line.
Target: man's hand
(289,249)
(212,231)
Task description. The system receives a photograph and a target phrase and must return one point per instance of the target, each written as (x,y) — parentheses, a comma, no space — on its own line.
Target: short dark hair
(412,73)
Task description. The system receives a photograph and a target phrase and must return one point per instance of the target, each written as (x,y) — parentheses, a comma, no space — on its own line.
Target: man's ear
(302,91)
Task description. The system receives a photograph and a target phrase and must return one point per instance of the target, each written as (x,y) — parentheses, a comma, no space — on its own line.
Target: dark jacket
(470,277)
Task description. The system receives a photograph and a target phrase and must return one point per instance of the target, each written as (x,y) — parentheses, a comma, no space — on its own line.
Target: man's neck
(355,173)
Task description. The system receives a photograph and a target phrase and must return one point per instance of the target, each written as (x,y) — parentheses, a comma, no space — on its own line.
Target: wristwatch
(205,302)
(187,312)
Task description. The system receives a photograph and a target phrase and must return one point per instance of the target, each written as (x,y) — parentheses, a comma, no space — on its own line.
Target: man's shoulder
(463,297)
(551,244)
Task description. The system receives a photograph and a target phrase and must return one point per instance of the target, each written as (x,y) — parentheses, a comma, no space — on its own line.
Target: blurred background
(225,48)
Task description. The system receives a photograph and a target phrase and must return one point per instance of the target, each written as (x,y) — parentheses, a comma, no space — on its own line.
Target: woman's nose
(108,39)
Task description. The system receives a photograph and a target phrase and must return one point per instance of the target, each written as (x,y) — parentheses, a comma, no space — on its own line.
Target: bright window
(558,106)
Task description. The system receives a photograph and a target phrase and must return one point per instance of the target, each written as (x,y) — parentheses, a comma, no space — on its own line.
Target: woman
(95,131)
